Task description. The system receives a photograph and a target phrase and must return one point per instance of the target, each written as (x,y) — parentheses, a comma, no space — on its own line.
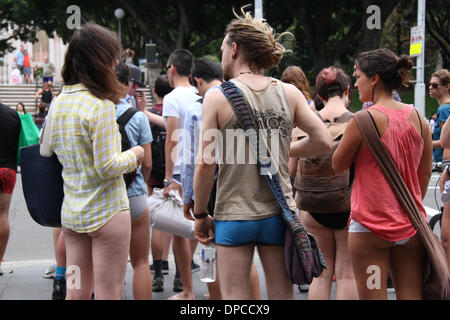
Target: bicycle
(438,168)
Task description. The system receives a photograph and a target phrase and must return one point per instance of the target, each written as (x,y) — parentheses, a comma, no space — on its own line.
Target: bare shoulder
(214,97)
(290,90)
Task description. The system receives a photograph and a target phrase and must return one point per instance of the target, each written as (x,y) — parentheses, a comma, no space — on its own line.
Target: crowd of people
(327,173)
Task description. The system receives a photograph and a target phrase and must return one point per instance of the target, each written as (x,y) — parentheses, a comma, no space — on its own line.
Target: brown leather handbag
(436,273)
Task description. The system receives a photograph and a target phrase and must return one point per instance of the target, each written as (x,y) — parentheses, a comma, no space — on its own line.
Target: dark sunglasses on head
(434,85)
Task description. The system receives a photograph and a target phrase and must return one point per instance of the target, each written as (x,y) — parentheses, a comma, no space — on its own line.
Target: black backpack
(158,149)
(122,121)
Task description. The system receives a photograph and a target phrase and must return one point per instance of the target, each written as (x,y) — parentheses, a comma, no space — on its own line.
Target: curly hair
(256,39)
(443,75)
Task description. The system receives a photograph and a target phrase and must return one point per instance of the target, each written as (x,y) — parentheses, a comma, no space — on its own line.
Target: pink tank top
(373,203)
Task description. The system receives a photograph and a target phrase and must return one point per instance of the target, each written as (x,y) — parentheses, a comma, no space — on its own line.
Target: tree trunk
(371,37)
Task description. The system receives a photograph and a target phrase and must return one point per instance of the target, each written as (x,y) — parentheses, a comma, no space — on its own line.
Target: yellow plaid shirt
(85,137)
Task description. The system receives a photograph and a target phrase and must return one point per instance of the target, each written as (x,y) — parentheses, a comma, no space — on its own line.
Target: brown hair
(443,75)
(256,40)
(331,82)
(394,71)
(89,60)
(128,53)
(295,75)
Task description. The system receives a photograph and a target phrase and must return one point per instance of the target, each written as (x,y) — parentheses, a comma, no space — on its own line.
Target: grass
(407,96)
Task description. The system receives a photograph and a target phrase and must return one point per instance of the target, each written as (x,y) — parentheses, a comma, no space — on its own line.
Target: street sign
(417,41)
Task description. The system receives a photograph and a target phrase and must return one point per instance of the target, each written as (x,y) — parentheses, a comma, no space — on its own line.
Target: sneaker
(158,284)
(194,267)
(303,288)
(177,285)
(59,289)
(50,272)
(165,267)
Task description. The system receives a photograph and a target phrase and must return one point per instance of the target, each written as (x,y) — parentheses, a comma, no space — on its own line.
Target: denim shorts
(269,231)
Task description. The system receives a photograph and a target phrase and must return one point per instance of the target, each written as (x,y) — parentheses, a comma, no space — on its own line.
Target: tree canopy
(326,32)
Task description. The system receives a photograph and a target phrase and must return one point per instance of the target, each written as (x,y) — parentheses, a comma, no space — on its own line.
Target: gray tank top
(242,192)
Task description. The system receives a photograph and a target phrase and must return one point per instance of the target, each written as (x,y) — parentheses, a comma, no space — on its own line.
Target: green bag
(29,133)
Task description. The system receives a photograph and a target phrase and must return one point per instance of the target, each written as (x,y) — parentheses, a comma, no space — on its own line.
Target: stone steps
(11,95)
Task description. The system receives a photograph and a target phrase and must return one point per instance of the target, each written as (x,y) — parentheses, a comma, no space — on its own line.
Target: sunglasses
(435,85)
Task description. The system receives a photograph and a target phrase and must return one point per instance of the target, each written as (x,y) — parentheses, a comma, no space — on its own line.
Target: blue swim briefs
(269,231)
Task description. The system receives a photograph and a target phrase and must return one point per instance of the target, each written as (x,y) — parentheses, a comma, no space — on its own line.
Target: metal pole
(419,88)
(258,9)
(120,38)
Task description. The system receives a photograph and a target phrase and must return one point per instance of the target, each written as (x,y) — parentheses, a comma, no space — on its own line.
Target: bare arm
(426,163)
(147,162)
(154,118)
(206,161)
(141,104)
(172,124)
(348,146)
(445,136)
(205,166)
(319,140)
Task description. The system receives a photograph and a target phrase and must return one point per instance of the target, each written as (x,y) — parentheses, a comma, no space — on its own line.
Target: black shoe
(177,285)
(165,267)
(194,266)
(59,289)
(158,284)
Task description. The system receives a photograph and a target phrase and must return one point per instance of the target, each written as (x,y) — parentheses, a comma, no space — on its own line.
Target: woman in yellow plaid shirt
(85,137)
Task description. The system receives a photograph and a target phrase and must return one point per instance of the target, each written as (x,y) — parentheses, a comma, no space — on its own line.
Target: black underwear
(335,221)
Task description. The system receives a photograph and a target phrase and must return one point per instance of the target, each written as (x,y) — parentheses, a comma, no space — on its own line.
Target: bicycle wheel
(434,220)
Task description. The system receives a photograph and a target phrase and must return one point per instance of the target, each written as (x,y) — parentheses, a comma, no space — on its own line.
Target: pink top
(374,204)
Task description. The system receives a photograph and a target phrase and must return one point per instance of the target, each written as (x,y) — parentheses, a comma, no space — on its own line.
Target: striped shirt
(85,137)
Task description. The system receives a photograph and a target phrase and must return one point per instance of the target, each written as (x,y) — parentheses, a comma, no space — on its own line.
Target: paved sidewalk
(27,283)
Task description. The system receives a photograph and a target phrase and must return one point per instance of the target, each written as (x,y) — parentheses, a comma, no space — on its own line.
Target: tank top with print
(242,191)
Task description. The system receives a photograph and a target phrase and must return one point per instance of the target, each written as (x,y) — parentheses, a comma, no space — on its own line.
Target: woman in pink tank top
(382,239)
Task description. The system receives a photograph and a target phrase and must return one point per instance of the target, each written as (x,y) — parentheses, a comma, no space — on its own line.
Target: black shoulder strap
(126,116)
(420,121)
(374,124)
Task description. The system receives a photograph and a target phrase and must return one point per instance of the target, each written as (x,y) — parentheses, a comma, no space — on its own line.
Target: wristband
(448,171)
(167,183)
(202,215)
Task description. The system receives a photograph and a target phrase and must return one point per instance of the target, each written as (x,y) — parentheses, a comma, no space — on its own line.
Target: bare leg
(182,253)
(5,200)
(60,248)
(79,257)
(320,288)
(139,249)
(254,283)
(370,259)
(110,247)
(214,287)
(407,269)
(234,275)
(445,231)
(345,277)
(279,285)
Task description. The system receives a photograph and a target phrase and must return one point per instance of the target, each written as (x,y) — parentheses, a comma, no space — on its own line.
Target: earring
(373,94)
(234,56)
